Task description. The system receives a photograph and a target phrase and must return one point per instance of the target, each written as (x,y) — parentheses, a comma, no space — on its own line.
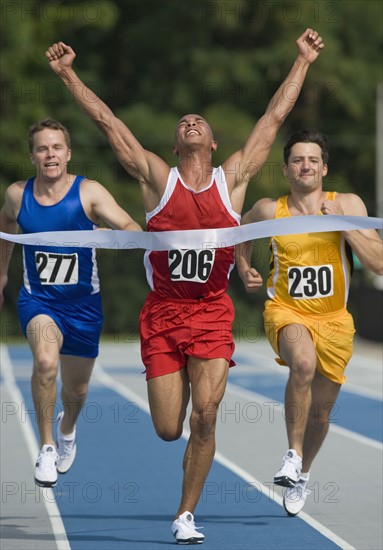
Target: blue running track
(124,487)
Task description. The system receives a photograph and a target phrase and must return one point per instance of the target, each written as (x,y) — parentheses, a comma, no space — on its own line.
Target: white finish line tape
(196,238)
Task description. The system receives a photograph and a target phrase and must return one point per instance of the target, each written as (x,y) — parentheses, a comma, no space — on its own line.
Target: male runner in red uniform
(186,322)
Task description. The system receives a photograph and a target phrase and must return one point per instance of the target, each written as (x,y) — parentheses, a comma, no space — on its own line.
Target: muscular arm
(245,163)
(100,205)
(366,244)
(8,224)
(151,171)
(262,210)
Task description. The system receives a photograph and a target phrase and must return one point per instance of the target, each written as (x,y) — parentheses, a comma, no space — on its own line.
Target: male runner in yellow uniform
(306,317)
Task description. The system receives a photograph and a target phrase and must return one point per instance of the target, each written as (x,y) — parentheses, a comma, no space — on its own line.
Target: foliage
(153,61)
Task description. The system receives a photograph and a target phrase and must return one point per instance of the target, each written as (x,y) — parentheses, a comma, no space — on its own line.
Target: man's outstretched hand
(60,57)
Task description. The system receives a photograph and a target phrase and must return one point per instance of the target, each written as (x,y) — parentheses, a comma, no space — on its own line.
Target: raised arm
(366,244)
(245,163)
(151,171)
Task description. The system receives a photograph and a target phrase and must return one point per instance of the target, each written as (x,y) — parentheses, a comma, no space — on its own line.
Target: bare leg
(208,382)
(168,400)
(298,352)
(324,394)
(75,376)
(45,340)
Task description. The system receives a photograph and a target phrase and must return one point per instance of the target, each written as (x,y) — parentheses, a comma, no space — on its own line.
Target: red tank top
(191,274)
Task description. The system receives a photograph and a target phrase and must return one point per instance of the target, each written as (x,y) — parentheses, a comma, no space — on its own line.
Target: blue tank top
(57,273)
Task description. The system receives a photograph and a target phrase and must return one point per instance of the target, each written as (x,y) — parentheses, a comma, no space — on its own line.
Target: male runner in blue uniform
(59,305)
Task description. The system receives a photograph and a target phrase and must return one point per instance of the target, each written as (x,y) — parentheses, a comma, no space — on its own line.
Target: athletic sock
(68,437)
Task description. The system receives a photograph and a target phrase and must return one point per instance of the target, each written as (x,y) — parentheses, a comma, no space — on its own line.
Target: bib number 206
(191,265)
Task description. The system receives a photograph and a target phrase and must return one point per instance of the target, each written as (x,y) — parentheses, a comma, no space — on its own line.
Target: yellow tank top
(309,272)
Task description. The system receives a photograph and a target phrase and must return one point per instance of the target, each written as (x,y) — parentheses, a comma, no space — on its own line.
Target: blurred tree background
(153,61)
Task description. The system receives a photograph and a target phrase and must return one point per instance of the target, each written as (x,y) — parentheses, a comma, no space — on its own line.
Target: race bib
(310,282)
(57,269)
(191,265)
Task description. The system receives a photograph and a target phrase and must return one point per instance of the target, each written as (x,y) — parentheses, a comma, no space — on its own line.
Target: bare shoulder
(88,185)
(93,188)
(352,204)
(92,191)
(17,187)
(14,192)
(13,198)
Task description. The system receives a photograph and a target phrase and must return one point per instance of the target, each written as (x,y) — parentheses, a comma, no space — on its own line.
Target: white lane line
(26,427)
(270,495)
(262,363)
(109,382)
(279,378)
(363,392)
(254,396)
(113,384)
(261,350)
(359,361)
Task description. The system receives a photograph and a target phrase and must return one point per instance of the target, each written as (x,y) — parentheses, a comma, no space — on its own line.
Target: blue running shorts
(80,320)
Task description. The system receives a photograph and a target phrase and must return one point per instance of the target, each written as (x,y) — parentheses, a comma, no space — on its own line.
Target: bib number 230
(311,282)
(191,265)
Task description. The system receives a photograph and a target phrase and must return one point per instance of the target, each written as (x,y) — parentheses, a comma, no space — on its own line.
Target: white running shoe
(66,447)
(289,472)
(295,497)
(45,469)
(185,531)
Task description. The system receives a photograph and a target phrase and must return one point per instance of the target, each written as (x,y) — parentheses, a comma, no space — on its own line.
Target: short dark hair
(47,123)
(307,136)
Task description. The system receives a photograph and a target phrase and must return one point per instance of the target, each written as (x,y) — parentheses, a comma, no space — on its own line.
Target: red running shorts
(171,330)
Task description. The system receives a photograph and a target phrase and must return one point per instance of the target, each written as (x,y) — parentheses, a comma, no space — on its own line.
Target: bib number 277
(57,269)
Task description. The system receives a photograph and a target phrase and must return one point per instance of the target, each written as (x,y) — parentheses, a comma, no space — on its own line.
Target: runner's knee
(303,371)
(167,433)
(203,421)
(45,367)
(168,428)
(75,393)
